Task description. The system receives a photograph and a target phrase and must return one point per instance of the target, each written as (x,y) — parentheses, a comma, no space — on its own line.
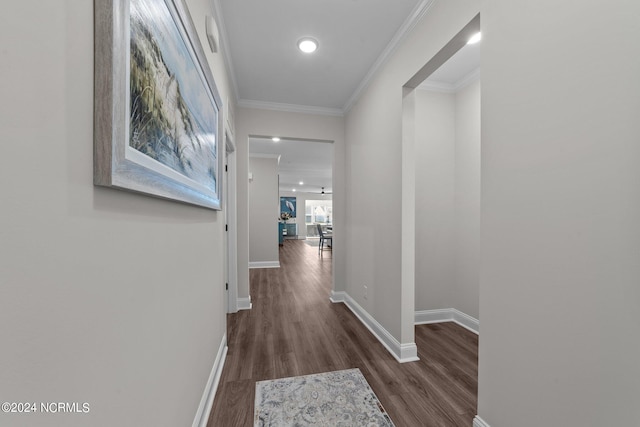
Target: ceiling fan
(321,192)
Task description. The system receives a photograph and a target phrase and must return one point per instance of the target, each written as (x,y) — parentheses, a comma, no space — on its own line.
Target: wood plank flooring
(293,329)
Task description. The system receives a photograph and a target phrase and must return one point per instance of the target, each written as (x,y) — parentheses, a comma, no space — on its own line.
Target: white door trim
(230,217)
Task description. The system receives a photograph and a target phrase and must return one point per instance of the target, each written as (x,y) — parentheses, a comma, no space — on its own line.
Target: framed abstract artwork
(157,112)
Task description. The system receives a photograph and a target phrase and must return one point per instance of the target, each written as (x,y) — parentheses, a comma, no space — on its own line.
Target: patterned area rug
(339,398)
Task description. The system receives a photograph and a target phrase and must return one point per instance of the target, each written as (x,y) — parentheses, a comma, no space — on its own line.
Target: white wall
(466,288)
(559,292)
(448,199)
(373,131)
(250,121)
(106,297)
(264,210)
(435,137)
(301,199)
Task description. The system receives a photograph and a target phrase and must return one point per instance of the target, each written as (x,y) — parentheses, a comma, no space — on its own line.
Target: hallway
(293,329)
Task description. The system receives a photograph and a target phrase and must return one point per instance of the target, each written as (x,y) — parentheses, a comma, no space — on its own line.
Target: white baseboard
(403,353)
(206,402)
(339,296)
(264,264)
(448,315)
(244,303)
(479,422)
(466,321)
(425,317)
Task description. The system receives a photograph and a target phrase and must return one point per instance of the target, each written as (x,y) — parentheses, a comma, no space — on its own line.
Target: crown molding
(433,86)
(436,86)
(418,12)
(416,15)
(290,108)
(468,79)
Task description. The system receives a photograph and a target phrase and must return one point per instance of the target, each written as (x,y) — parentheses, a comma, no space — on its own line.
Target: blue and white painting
(173,116)
(288,204)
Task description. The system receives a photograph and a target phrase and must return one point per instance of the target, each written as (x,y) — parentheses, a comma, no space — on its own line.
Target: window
(318,211)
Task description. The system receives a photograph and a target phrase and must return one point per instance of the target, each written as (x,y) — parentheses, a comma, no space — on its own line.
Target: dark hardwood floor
(293,329)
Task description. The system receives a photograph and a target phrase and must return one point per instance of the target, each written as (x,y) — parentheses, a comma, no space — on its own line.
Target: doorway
(305,171)
(441,133)
(285,173)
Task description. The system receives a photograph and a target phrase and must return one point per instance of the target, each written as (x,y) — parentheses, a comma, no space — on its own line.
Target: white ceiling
(306,161)
(261,39)
(355,36)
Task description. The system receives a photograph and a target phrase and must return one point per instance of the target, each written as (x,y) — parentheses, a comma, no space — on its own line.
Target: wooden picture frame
(157,112)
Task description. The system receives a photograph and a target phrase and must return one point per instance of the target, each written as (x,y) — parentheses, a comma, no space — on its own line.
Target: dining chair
(323,236)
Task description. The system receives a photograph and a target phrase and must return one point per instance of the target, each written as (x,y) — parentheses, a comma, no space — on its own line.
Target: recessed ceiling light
(475,38)
(294,190)
(307,45)
(275,139)
(301,183)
